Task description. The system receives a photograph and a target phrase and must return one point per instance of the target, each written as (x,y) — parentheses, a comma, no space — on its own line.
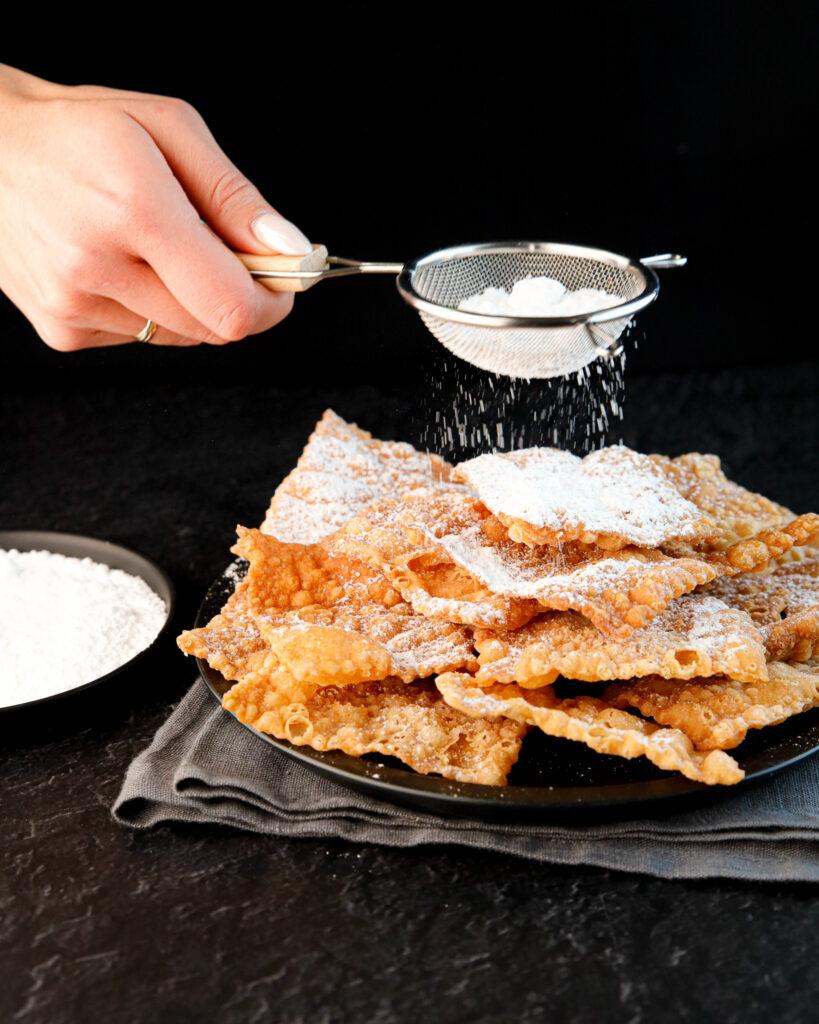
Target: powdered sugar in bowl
(74,611)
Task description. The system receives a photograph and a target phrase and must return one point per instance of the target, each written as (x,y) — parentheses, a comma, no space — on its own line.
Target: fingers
(101,322)
(141,291)
(110,323)
(204,276)
(106,323)
(220,192)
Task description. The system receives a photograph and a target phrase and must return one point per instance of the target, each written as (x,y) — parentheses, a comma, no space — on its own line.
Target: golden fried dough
(442,590)
(376,563)
(717,713)
(611,498)
(294,586)
(455,561)
(696,635)
(754,553)
(411,723)
(230,643)
(733,513)
(784,602)
(341,470)
(284,577)
(421,571)
(592,721)
(392,641)
(336,657)
(796,638)
(619,591)
(614,498)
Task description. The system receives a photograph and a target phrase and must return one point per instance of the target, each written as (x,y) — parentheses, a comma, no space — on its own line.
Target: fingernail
(279,235)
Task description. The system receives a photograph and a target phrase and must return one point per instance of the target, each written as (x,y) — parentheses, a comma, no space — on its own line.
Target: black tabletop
(207,924)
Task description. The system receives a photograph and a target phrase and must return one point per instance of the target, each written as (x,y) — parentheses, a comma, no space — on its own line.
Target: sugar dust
(468,411)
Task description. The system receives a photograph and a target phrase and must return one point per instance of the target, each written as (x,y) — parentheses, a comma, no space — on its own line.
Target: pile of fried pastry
(395,604)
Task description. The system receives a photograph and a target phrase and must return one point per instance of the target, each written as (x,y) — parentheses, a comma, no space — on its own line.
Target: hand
(101,195)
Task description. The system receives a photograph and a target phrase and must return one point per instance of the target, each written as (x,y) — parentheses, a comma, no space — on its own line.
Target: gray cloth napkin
(203,766)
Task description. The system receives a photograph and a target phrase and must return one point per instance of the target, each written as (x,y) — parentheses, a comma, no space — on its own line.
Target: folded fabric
(204,767)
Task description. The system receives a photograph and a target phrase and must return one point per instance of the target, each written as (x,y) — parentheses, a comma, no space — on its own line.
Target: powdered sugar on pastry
(768,597)
(733,513)
(421,571)
(329,618)
(784,602)
(695,636)
(230,642)
(341,470)
(347,644)
(618,591)
(586,568)
(612,497)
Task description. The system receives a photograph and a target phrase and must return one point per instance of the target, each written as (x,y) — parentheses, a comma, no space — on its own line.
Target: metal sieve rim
(406,285)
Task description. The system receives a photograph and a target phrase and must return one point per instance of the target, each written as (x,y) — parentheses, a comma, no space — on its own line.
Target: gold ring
(147,332)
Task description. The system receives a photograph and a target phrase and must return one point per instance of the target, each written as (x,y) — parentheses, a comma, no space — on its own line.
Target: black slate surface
(204,924)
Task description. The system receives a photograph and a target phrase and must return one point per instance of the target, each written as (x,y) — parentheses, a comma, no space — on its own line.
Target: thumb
(222,195)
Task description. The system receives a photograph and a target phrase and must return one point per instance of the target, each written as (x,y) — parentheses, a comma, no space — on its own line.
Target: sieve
(515,346)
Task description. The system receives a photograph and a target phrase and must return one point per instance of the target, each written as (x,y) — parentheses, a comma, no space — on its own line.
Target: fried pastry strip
(230,643)
(411,723)
(422,571)
(733,512)
(754,553)
(341,470)
(450,558)
(615,497)
(785,604)
(796,638)
(611,498)
(591,721)
(695,636)
(336,620)
(717,713)
(618,591)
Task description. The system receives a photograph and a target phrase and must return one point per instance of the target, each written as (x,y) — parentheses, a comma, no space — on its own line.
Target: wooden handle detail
(315,260)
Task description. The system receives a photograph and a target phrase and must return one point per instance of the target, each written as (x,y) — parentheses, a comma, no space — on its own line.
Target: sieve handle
(665,261)
(361,267)
(280,273)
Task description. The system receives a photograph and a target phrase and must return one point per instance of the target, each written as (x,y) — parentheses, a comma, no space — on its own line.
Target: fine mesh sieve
(516,346)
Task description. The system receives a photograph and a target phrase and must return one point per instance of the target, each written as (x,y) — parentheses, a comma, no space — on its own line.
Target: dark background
(390,130)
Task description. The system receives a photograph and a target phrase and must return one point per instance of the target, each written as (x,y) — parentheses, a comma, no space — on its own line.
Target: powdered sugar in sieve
(530,309)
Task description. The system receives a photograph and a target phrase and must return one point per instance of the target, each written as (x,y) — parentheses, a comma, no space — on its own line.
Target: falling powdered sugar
(66,621)
(466,411)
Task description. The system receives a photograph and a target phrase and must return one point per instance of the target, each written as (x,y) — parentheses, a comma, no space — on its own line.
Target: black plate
(552,774)
(113,555)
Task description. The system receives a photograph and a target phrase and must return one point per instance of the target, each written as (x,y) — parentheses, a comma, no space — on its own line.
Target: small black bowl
(113,555)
